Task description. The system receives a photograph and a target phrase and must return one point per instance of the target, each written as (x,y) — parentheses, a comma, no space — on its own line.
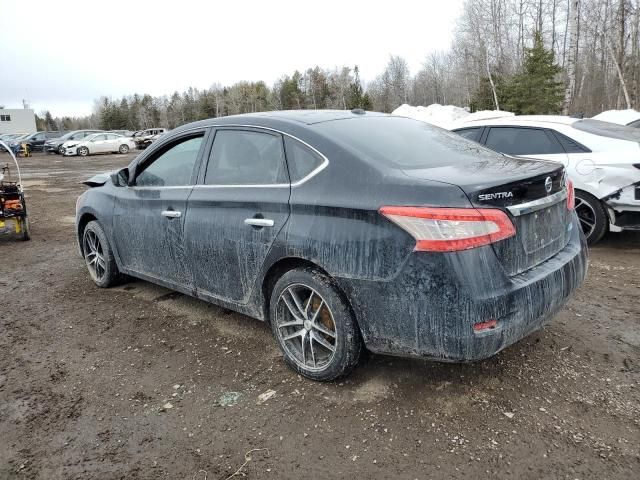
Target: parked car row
(35,141)
(601,158)
(84,142)
(8,138)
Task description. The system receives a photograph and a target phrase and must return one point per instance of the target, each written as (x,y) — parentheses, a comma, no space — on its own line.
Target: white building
(17,120)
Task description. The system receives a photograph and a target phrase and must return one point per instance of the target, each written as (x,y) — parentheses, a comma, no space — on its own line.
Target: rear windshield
(606,129)
(400,141)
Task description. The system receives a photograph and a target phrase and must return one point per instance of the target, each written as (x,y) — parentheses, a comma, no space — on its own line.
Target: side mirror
(121,178)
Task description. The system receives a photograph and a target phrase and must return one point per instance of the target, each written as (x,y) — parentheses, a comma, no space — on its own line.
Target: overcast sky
(62,55)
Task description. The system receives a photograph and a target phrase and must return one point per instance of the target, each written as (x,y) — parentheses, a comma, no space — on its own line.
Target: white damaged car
(99,143)
(629,117)
(602,159)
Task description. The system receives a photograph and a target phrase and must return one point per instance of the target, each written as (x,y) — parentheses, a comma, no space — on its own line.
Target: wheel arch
(285,264)
(609,217)
(85,218)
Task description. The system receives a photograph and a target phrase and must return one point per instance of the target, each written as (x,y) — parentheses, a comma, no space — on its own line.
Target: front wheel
(124,149)
(99,257)
(83,151)
(314,326)
(592,215)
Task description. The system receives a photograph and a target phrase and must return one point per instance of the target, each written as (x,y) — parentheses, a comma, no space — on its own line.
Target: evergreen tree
(357,97)
(535,90)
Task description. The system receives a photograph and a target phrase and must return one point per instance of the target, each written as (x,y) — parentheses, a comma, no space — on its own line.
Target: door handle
(171,214)
(259,222)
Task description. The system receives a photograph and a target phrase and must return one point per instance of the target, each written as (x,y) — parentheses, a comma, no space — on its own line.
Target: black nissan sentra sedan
(344,230)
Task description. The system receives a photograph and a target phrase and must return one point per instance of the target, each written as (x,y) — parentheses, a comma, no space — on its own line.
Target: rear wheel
(592,215)
(83,151)
(124,148)
(314,326)
(99,257)
(61,150)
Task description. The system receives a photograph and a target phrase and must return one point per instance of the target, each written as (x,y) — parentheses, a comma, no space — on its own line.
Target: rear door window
(300,159)
(470,133)
(569,145)
(243,157)
(522,141)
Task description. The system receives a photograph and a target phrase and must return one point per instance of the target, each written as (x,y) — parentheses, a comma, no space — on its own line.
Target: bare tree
(573,56)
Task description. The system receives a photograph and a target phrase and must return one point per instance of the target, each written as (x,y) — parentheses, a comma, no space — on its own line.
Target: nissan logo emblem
(548,184)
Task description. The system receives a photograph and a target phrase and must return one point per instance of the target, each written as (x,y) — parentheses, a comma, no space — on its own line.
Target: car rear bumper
(430,307)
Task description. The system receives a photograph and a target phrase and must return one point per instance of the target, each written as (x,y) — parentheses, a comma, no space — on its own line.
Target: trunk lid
(532,192)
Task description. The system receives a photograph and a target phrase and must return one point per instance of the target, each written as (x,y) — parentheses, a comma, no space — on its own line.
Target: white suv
(601,158)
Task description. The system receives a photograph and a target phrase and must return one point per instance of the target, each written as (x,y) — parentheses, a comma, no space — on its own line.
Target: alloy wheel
(586,215)
(94,255)
(306,327)
(124,149)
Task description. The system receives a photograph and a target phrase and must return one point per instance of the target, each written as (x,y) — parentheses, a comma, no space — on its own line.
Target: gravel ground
(139,382)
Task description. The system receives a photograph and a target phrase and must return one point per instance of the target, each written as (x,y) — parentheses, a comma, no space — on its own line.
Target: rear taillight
(451,229)
(571,195)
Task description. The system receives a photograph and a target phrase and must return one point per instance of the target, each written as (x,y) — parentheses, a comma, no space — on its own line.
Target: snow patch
(446,116)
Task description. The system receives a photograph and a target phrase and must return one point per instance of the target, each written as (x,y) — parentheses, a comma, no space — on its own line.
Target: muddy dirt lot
(138,382)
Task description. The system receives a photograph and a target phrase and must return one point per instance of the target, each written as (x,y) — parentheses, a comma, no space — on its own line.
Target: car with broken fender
(601,158)
(56,145)
(344,230)
(104,142)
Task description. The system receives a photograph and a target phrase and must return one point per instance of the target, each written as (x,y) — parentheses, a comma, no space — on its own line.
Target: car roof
(281,117)
(519,120)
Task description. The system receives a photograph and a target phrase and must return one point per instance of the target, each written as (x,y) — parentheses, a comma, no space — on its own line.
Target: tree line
(525,56)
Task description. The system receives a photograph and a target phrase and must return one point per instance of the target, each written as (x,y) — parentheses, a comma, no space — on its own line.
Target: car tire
(592,216)
(99,257)
(314,325)
(61,150)
(123,149)
(83,151)
(26,230)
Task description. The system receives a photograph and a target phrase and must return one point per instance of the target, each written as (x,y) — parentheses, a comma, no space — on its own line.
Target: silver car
(99,143)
